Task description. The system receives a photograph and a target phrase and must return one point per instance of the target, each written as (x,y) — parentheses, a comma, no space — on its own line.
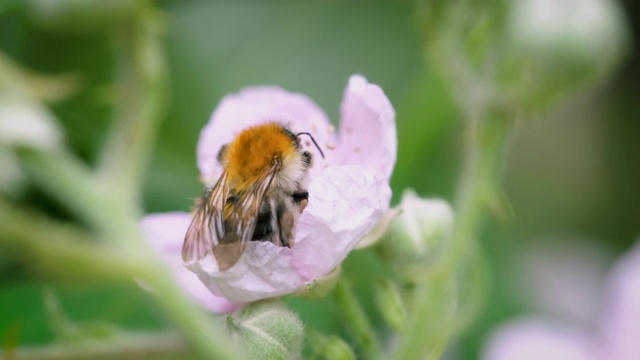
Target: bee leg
(286,221)
(307,159)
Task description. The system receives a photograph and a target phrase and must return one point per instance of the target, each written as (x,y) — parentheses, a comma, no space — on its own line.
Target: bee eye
(306,157)
(222,153)
(300,196)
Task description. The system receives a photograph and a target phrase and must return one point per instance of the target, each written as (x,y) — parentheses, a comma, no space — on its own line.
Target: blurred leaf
(65,329)
(7,6)
(125,306)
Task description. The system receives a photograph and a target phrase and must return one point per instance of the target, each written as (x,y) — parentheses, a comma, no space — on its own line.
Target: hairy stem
(142,89)
(63,249)
(201,330)
(439,298)
(126,347)
(477,189)
(357,320)
(69,181)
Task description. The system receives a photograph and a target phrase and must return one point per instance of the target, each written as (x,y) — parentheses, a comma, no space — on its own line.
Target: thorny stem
(200,329)
(357,320)
(124,347)
(476,192)
(141,102)
(70,251)
(70,182)
(477,189)
(62,248)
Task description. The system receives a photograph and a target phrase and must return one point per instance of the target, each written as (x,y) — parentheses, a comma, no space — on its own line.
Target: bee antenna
(314,141)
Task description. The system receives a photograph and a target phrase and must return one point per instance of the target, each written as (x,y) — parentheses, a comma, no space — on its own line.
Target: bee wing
(242,218)
(207,226)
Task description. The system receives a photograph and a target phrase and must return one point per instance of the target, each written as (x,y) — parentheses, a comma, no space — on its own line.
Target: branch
(357,320)
(62,248)
(126,347)
(142,93)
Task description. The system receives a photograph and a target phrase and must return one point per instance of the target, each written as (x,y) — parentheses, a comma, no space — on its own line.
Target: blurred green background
(575,174)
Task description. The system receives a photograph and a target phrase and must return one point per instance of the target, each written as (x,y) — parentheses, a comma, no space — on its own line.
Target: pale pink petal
(536,340)
(367,128)
(165,233)
(257,105)
(563,277)
(621,320)
(343,207)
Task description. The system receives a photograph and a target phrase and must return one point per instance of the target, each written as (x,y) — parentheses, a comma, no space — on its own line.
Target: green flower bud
(329,347)
(561,46)
(522,57)
(391,303)
(24,120)
(418,236)
(580,30)
(268,330)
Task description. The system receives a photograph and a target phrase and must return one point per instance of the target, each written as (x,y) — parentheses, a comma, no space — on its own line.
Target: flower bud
(329,347)
(24,121)
(559,46)
(589,30)
(268,330)
(418,236)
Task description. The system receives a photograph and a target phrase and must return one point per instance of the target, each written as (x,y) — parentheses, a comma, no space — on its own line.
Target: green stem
(126,347)
(357,320)
(66,250)
(208,336)
(438,298)
(477,189)
(69,181)
(63,249)
(142,88)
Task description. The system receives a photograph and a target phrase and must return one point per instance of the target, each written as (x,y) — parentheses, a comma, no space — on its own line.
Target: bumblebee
(259,196)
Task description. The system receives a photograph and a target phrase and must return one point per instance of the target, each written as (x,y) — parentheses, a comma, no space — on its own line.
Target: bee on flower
(289,194)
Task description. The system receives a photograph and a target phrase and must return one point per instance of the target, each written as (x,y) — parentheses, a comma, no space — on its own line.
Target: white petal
(344,205)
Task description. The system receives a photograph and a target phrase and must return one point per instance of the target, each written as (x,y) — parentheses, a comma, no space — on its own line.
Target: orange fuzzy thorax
(253,150)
